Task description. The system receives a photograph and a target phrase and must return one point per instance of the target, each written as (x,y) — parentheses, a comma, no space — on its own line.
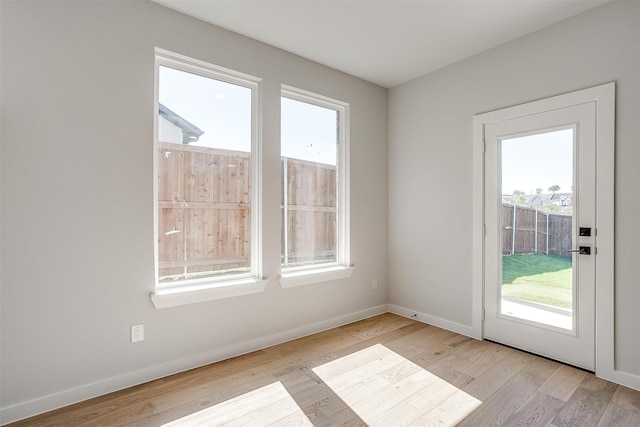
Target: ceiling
(387,42)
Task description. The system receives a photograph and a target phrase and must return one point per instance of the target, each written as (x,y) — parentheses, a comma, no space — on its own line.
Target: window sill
(290,279)
(172,297)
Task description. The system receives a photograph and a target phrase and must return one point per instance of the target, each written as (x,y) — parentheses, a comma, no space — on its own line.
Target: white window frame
(341,268)
(224,286)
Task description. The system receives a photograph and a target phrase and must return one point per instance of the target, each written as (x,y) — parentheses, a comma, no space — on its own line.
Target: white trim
(154,156)
(432,320)
(181,295)
(605,302)
(623,378)
(67,397)
(256,179)
(292,278)
(206,69)
(198,290)
(478,230)
(604,98)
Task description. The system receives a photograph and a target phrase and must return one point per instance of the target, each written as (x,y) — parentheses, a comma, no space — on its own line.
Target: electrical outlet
(137,333)
(374,284)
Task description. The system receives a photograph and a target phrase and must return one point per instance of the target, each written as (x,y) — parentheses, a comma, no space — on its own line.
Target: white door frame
(604,97)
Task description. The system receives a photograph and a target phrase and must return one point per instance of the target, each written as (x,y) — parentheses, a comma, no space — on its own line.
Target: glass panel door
(540,189)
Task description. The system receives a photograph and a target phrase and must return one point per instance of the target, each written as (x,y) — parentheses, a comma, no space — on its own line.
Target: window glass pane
(537,224)
(309,138)
(204,157)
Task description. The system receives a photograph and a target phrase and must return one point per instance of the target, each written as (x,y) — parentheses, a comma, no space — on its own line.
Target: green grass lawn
(545,279)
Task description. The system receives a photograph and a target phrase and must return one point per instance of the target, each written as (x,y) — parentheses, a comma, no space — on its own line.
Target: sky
(223,111)
(308,132)
(538,161)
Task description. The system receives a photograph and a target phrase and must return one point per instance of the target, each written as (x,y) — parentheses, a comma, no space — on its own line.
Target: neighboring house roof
(190,132)
(533,200)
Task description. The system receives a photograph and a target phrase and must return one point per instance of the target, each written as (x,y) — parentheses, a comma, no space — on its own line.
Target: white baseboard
(67,397)
(619,377)
(431,320)
(623,378)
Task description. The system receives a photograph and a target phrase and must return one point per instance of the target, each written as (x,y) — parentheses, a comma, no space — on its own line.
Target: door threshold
(540,313)
(541,356)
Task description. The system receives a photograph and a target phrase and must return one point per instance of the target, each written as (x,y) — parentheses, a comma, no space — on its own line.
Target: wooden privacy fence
(203,210)
(527,230)
(309,212)
(204,222)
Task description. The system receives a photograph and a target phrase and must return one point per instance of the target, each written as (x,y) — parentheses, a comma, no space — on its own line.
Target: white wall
(168,132)
(430,160)
(77,206)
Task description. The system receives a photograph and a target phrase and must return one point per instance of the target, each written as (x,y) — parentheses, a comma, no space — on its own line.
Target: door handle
(583,250)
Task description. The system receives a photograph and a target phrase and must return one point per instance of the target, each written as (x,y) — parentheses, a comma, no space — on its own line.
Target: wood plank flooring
(383,371)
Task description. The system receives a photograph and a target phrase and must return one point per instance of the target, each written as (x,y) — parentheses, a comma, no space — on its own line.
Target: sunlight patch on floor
(384,389)
(268,405)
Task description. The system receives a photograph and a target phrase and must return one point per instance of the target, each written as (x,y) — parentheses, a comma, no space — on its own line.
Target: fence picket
(522,231)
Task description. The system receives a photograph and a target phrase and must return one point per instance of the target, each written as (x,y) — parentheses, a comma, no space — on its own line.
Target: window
(206,178)
(314,155)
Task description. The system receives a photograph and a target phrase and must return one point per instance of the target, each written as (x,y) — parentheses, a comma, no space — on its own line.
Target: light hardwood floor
(383,371)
